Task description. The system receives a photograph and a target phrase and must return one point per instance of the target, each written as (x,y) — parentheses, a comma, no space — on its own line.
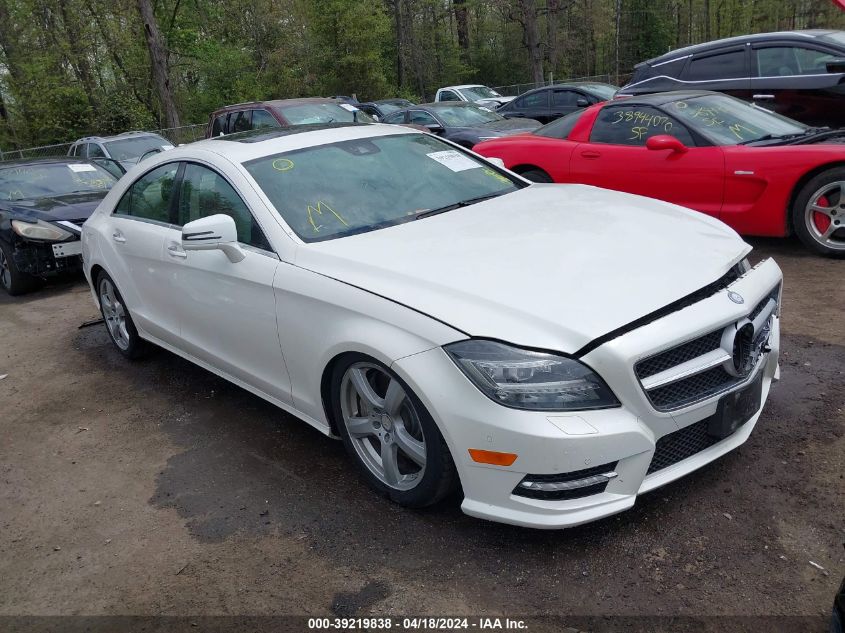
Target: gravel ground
(157,488)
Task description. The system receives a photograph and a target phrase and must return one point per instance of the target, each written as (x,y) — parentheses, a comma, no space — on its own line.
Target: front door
(227,311)
(616,158)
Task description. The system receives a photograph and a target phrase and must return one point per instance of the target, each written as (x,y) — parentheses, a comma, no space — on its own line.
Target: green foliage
(74,67)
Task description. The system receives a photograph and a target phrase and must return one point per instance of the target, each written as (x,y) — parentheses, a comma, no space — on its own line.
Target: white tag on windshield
(346,106)
(454,160)
(82,167)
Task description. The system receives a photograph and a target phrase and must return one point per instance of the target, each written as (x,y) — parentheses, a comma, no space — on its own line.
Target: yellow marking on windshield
(311,210)
(282,164)
(494,174)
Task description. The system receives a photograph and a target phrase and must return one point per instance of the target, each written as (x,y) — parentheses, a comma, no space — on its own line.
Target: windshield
(136,146)
(23,182)
(728,121)
(479,92)
(387,108)
(355,186)
(603,91)
(308,113)
(560,128)
(466,116)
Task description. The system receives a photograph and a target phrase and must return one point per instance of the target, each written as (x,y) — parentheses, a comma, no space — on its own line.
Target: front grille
(677,355)
(709,381)
(681,444)
(576,493)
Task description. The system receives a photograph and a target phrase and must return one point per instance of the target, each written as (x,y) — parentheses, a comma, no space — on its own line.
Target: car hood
(506,127)
(72,206)
(495,100)
(549,266)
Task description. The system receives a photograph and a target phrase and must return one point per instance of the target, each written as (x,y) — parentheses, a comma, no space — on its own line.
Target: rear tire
(390,436)
(13,280)
(536,175)
(118,321)
(818,213)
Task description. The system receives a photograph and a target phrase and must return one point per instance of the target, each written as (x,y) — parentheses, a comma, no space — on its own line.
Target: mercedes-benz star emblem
(735,297)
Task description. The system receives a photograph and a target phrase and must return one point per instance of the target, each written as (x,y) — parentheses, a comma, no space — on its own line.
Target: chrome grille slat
(696,370)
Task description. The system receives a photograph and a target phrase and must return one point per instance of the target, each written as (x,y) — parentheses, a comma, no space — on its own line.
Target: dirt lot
(157,488)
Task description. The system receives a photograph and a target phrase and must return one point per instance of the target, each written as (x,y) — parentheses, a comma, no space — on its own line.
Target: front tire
(536,175)
(389,434)
(118,321)
(13,280)
(818,213)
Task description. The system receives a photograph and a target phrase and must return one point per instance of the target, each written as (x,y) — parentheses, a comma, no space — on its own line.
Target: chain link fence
(176,135)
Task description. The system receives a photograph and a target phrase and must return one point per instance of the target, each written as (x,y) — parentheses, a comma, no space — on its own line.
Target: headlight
(525,379)
(744,266)
(40,230)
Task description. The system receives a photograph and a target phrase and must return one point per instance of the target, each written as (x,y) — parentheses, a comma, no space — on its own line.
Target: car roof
(136,133)
(245,146)
(437,105)
(571,84)
(62,160)
(464,86)
(800,35)
(662,98)
(277,103)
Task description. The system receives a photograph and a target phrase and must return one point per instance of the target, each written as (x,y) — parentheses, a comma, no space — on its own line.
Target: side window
(205,192)
(396,117)
(634,125)
(565,98)
(218,128)
(240,121)
(422,118)
(781,61)
(83,150)
(95,151)
(535,100)
(730,65)
(448,95)
(263,119)
(149,198)
(73,150)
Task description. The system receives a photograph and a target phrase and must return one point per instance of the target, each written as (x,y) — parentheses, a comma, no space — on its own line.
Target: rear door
(565,101)
(793,81)
(136,233)
(616,158)
(726,70)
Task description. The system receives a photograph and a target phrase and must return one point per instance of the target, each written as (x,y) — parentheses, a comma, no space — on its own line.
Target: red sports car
(759,172)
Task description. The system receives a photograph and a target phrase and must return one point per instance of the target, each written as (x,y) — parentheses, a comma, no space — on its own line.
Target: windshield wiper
(457,205)
(783,137)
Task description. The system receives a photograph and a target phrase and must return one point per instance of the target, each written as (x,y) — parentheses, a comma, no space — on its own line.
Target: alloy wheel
(383,425)
(5,273)
(824,216)
(114,314)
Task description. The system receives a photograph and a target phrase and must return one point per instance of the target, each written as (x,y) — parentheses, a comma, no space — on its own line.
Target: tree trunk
(158,62)
(551,30)
(528,9)
(462,24)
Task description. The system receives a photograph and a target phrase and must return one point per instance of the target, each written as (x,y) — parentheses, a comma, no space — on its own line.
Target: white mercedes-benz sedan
(552,350)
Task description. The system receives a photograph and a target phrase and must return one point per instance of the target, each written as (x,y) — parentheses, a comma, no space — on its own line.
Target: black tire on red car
(818,213)
(12,279)
(536,175)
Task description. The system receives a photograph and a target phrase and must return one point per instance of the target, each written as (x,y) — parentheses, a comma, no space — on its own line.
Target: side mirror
(216,232)
(498,162)
(665,141)
(836,65)
(582,102)
(434,128)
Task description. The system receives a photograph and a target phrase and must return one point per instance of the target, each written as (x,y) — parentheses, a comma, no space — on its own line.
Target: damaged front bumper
(45,259)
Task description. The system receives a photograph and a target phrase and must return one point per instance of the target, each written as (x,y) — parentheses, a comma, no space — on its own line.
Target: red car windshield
(728,121)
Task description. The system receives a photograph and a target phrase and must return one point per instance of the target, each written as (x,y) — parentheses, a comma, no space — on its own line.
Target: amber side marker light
(492,457)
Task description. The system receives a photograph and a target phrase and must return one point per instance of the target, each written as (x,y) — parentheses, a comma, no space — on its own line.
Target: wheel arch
(801,183)
(524,167)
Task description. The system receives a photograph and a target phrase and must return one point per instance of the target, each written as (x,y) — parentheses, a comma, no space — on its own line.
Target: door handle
(176,250)
(117,236)
(763,96)
(591,154)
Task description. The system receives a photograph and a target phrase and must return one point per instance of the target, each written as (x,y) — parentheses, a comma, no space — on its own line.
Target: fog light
(572,485)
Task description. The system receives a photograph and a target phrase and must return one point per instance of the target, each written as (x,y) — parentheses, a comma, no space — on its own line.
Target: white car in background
(555,350)
(482,95)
